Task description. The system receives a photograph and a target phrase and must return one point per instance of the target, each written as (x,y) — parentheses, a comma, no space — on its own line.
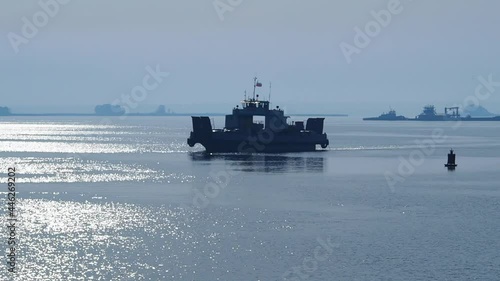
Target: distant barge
(429,114)
(242,134)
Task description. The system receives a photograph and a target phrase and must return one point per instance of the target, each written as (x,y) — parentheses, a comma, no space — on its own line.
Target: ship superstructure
(429,114)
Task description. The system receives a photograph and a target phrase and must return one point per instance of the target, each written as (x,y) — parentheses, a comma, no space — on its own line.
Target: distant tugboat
(389,116)
(451,161)
(241,134)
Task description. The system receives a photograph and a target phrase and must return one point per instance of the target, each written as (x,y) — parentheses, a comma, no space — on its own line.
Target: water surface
(131,201)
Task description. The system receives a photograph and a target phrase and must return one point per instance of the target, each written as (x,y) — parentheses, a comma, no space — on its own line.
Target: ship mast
(270,87)
(254,86)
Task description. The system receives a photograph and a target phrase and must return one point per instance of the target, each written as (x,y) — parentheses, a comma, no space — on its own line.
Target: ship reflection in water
(264,162)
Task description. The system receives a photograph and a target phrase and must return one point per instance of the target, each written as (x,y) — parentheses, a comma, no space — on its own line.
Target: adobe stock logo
(223,6)
(30,28)
(363,38)
(150,82)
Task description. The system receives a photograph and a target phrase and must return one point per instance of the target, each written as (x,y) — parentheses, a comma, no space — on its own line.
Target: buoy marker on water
(451,161)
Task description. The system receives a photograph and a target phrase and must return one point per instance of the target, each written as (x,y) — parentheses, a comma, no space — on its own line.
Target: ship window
(259,119)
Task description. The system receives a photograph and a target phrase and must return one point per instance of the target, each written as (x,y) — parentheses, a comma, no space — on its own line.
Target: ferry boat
(242,134)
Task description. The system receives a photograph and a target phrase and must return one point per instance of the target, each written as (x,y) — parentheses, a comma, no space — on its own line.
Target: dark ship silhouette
(429,114)
(389,116)
(241,134)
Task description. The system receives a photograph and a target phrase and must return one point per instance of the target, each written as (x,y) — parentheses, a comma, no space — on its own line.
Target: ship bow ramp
(315,125)
(202,130)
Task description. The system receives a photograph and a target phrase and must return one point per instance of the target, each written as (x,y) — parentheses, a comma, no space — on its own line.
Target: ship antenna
(254,85)
(270,88)
(245,94)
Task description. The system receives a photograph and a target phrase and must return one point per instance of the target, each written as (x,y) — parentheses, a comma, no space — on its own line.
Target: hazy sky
(92,52)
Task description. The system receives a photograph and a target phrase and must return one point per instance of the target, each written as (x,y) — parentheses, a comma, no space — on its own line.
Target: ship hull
(497,118)
(231,146)
(239,143)
(384,119)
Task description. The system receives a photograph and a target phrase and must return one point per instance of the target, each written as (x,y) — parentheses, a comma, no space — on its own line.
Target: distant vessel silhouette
(241,134)
(389,116)
(429,114)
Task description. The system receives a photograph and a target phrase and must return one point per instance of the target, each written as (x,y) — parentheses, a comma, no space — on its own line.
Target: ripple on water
(84,240)
(77,170)
(84,138)
(64,240)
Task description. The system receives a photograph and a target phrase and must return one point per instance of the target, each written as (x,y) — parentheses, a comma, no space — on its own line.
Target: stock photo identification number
(11,220)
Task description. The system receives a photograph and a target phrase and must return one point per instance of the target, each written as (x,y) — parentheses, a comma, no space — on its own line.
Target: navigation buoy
(451,161)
